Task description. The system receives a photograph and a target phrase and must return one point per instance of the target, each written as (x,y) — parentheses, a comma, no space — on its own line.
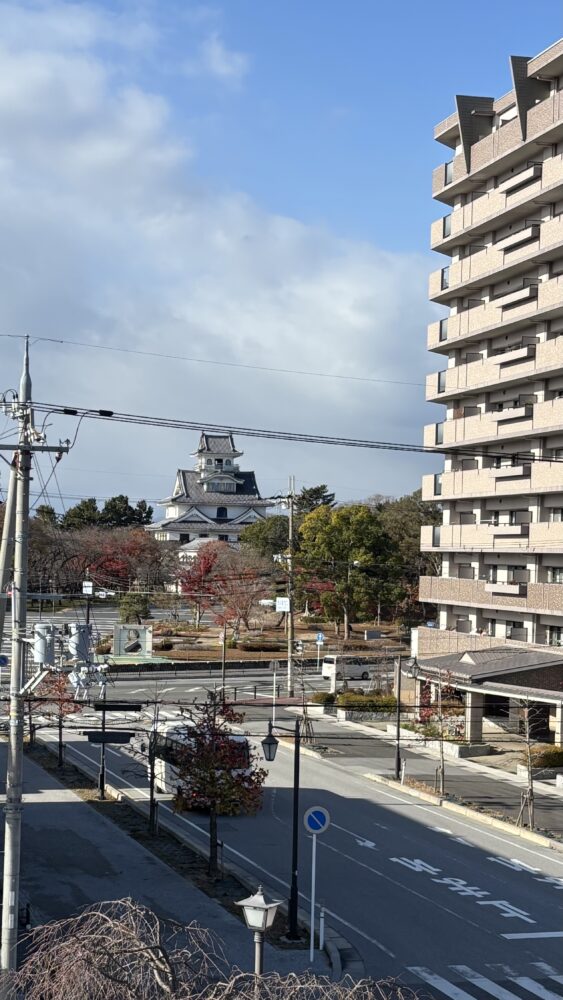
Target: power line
(276,435)
(220,364)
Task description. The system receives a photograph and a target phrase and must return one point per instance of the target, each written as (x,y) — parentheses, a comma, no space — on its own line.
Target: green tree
(82,515)
(401,520)
(117,512)
(44,512)
(312,497)
(134,608)
(346,547)
(267,537)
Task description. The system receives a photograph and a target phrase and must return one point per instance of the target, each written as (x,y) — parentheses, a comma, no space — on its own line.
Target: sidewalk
(72,856)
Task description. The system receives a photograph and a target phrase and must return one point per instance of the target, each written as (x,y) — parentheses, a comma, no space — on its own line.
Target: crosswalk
(503,982)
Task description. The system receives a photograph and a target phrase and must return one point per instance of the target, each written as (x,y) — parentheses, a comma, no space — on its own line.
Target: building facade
(501,345)
(212,502)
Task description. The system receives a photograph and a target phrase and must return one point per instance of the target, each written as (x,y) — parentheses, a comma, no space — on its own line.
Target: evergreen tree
(312,497)
(82,515)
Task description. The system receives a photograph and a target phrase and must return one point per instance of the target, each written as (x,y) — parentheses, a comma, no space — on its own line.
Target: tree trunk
(60,761)
(213,867)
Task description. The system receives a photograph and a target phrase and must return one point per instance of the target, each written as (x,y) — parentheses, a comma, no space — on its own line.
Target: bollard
(234,694)
(322,929)
(278,691)
(255,692)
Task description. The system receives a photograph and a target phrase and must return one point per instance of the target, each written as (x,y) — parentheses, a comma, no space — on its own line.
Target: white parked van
(344,668)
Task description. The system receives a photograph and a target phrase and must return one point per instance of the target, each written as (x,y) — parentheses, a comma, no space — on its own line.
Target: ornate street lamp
(259,916)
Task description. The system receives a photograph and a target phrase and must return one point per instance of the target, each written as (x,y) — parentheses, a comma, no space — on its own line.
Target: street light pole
(290,618)
(270,747)
(398,729)
(293,932)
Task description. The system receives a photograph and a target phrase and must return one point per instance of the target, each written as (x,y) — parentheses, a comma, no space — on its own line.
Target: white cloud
(109,236)
(214,59)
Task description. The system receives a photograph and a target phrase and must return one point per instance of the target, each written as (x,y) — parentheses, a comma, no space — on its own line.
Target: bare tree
(121,950)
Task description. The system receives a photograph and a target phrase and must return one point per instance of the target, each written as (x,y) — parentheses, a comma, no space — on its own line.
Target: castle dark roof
(191,489)
(217,444)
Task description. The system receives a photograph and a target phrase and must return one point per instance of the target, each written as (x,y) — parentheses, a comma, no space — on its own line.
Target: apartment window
(438,485)
(447,225)
(443,330)
(445,279)
(555,574)
(491,575)
(439,434)
(449,172)
(492,626)
(442,382)
(436,535)
(516,630)
(555,515)
(495,518)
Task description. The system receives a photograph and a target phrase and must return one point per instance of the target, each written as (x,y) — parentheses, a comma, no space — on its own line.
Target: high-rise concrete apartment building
(501,346)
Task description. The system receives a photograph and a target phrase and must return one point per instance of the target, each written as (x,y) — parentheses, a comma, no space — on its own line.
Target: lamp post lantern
(259,916)
(270,747)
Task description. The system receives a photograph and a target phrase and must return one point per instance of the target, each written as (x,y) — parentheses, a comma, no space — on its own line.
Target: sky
(244,183)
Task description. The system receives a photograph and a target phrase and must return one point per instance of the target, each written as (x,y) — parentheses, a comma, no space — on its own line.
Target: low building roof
(491,663)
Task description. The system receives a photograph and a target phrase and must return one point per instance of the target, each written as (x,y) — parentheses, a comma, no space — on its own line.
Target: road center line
(528,935)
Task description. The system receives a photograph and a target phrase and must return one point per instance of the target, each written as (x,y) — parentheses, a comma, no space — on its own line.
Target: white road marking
(454,992)
(461,840)
(536,988)
(361,841)
(442,829)
(482,983)
(529,935)
(548,970)
(401,885)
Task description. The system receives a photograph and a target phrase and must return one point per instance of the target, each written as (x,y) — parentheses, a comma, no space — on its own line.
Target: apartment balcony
(534,598)
(509,367)
(510,480)
(435,642)
(540,536)
(496,152)
(513,413)
(474,593)
(494,318)
(493,209)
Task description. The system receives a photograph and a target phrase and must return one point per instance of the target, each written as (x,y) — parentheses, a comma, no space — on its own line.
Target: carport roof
(478,665)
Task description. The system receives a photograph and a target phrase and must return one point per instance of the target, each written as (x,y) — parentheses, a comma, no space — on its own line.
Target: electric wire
(335,441)
(268,369)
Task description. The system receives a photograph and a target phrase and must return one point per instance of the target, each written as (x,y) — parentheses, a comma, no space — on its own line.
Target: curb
(474,814)
(343,957)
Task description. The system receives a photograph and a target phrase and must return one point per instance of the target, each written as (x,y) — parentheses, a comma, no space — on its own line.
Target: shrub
(545,755)
(261,645)
(323,698)
(366,702)
(104,647)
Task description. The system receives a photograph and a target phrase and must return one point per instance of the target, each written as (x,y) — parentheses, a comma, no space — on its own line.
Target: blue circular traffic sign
(316,819)
(320,637)
(3,661)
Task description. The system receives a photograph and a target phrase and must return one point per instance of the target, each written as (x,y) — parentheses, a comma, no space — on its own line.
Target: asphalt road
(444,903)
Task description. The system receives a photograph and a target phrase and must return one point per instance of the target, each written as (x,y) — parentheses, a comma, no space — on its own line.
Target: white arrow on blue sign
(320,637)
(316,819)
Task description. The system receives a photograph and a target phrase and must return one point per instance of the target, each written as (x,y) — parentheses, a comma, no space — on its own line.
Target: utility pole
(29,440)
(13,807)
(7,546)
(290,589)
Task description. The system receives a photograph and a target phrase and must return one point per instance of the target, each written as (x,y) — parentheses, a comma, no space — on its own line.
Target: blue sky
(245,181)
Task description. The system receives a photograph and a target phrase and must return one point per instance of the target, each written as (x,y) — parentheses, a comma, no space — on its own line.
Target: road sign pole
(313,889)
(318,657)
(274,697)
